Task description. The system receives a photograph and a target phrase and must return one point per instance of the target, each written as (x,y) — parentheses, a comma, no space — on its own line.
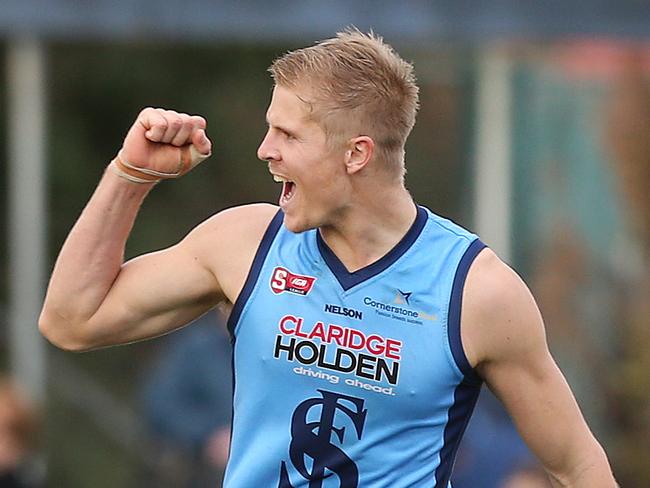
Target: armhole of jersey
(253,274)
(455,306)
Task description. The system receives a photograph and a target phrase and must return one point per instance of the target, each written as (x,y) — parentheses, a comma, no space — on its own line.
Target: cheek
(324,179)
(332,187)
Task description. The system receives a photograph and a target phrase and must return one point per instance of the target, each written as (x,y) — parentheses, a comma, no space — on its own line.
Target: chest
(383,338)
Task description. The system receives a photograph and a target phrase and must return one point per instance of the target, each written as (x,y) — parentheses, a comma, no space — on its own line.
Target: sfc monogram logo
(284,280)
(314,439)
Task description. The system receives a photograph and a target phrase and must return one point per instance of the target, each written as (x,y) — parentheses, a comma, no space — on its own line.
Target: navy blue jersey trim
(347,279)
(455,306)
(465,397)
(232,403)
(253,274)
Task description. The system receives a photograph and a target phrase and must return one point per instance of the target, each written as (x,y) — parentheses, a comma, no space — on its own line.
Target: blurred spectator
(187,400)
(18,430)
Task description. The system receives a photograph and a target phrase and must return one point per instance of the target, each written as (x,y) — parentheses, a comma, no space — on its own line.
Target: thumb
(201,142)
(197,151)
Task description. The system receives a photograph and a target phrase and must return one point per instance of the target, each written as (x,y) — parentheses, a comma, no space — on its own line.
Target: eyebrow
(280,127)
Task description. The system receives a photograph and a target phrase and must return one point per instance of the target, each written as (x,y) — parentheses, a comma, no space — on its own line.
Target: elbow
(62,333)
(593,469)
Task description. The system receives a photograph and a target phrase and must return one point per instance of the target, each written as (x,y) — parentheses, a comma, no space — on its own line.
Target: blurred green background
(580,121)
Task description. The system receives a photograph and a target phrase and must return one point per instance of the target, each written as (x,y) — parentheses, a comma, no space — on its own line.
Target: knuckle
(199,121)
(145,113)
(186,120)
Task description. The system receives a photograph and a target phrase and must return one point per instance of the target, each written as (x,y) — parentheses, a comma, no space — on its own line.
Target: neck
(370,227)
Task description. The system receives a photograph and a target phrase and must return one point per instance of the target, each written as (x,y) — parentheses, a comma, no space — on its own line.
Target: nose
(267,150)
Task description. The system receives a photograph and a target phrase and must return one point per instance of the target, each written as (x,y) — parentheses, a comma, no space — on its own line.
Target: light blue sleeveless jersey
(346,380)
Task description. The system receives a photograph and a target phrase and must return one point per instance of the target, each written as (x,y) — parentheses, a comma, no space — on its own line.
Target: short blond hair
(356,84)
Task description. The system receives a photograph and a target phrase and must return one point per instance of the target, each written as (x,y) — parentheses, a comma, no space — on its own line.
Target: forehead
(287,105)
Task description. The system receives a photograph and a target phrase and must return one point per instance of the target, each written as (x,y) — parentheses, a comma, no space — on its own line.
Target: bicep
(154,294)
(161,291)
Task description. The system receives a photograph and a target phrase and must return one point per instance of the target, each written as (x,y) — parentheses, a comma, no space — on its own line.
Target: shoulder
(227,243)
(244,221)
(235,228)
(500,319)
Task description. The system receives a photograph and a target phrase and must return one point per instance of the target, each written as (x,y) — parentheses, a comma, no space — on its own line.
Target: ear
(359,153)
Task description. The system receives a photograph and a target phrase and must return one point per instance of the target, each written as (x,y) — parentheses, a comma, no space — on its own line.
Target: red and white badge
(284,280)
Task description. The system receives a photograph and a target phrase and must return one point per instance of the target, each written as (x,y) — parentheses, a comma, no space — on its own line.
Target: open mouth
(288,188)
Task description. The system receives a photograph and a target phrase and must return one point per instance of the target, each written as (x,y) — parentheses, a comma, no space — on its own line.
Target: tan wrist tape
(132,175)
(190,158)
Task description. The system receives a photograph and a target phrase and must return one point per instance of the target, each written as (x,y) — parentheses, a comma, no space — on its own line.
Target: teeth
(281,179)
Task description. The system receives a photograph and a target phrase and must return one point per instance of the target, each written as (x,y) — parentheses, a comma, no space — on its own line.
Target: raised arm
(504,338)
(94,299)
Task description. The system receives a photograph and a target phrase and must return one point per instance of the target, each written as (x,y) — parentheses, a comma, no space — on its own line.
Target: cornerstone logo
(313,440)
(400,308)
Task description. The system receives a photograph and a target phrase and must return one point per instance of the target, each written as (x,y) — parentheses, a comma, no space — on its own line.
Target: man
(363,325)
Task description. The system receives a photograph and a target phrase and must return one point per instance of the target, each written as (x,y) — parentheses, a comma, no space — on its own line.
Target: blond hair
(355,84)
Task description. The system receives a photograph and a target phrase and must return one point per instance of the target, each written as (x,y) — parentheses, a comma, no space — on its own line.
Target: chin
(296,225)
(296,228)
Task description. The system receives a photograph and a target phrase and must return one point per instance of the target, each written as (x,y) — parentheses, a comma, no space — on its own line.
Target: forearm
(91,298)
(92,255)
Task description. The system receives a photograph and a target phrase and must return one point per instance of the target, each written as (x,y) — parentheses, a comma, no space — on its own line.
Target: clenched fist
(162,144)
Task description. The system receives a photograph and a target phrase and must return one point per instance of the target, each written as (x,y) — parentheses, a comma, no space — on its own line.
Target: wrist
(131,173)
(123,187)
